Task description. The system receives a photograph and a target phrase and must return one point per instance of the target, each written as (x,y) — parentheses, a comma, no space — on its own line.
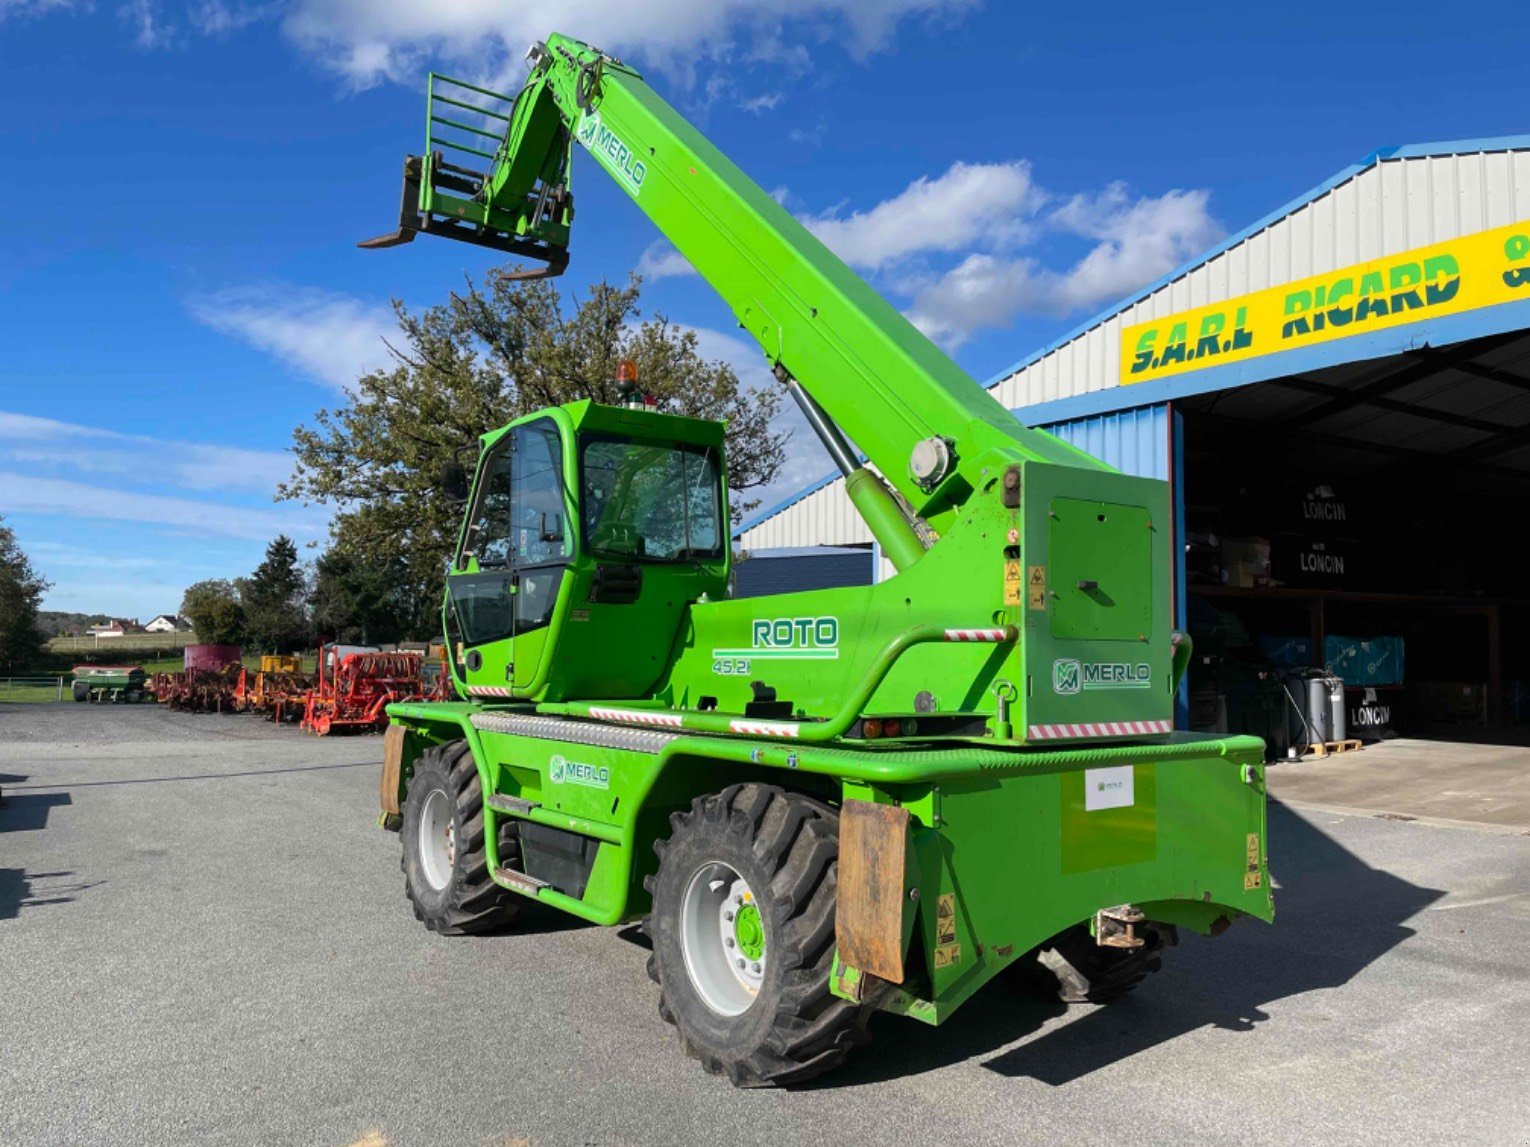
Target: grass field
(33,689)
(128,643)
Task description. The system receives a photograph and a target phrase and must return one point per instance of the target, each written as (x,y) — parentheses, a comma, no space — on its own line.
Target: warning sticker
(945,918)
(948,954)
(1251,882)
(1253,850)
(1036,588)
(1011,583)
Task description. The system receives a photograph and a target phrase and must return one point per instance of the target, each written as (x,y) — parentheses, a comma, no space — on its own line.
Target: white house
(165,623)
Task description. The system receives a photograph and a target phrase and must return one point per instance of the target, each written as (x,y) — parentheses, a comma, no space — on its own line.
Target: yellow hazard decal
(945,918)
(1011,583)
(1036,588)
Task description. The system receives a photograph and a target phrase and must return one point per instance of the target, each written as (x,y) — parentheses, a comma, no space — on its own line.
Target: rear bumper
(992,866)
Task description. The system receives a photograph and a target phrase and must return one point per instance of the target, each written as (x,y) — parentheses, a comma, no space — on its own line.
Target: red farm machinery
(353,689)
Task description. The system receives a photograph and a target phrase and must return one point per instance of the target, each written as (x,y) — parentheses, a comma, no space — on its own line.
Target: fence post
(60,688)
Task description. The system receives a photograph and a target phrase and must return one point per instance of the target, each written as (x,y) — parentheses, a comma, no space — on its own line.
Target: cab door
(508,577)
(541,545)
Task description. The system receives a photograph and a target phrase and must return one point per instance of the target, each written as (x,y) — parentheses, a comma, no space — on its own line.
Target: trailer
(109,683)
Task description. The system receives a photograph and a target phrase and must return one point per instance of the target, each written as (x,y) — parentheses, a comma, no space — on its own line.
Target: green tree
(364,600)
(485,357)
(273,600)
(21,590)
(214,610)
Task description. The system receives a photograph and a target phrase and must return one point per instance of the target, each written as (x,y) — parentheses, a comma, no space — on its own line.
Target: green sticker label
(1070,676)
(562,771)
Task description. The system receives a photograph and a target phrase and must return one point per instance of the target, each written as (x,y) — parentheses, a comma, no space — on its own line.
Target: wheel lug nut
(756,969)
(727,916)
(740,963)
(729,941)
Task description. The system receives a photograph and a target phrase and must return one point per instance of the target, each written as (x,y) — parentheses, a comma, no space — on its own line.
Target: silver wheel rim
(725,976)
(438,839)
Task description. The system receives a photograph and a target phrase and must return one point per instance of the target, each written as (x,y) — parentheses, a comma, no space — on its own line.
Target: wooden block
(868,920)
(393,763)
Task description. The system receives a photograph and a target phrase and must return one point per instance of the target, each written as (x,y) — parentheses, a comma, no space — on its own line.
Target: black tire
(470,902)
(1072,968)
(787,844)
(80,690)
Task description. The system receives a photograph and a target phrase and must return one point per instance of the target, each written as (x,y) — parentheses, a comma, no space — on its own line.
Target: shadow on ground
(28,811)
(1336,916)
(20,889)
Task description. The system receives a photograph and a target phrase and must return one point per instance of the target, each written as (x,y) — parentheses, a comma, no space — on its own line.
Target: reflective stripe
(1100,729)
(984,635)
(766,728)
(639,717)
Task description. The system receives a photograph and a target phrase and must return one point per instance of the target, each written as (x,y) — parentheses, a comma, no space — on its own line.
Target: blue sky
(179,285)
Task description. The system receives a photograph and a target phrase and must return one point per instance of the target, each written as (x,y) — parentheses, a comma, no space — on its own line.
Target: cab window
(656,501)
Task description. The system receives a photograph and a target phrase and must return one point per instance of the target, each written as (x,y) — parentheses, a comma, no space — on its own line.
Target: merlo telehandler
(825,803)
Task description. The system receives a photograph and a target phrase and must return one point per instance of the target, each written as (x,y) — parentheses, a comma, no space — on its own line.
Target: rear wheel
(445,861)
(1074,969)
(743,936)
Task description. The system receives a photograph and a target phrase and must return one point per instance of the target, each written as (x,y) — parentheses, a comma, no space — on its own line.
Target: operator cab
(589,532)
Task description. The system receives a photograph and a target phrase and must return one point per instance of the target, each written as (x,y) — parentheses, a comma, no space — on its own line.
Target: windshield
(646,500)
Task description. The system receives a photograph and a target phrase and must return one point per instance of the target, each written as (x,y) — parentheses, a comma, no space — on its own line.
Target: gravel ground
(204,940)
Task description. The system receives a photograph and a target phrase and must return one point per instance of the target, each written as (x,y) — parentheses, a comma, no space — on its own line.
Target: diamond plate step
(519,880)
(574,732)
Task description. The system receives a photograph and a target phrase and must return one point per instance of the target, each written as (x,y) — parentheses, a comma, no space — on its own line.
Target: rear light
(891,727)
(871,728)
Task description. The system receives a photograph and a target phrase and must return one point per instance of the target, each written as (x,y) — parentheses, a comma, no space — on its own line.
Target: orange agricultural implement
(353,690)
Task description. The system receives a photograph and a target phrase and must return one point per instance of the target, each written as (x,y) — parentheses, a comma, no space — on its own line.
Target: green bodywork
(1023,652)
(112,682)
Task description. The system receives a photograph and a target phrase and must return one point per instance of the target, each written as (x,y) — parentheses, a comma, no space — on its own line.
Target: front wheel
(743,936)
(445,863)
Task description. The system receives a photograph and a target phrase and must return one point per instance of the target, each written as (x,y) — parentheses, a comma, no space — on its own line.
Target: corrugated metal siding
(1133,441)
(1392,206)
(823,518)
(761,577)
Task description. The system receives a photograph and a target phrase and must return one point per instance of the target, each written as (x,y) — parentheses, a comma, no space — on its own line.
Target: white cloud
(25,494)
(662,261)
(809,137)
(331,337)
(370,41)
(765,102)
(991,203)
(25,8)
(41,443)
(218,18)
(143,19)
(1137,241)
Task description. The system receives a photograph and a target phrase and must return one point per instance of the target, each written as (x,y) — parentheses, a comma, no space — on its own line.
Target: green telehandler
(819,804)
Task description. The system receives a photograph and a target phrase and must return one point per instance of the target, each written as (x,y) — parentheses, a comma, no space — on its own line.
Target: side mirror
(454,481)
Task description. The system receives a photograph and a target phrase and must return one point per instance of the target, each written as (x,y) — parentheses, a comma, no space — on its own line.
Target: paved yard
(204,940)
(1485,785)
